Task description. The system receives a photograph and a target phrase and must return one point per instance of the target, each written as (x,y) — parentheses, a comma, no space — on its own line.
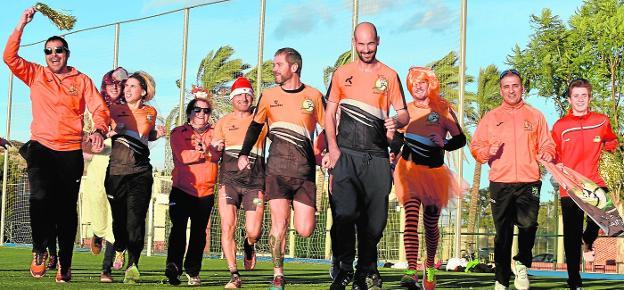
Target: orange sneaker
(38,265)
(63,278)
(429,278)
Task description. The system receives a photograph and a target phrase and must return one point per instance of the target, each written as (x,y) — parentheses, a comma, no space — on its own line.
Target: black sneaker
(173,274)
(343,278)
(359,281)
(373,280)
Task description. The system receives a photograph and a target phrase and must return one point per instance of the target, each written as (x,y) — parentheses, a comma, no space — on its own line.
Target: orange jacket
(524,135)
(58,103)
(194,172)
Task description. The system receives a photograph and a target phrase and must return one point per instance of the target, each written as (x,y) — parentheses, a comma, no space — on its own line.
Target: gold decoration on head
(63,21)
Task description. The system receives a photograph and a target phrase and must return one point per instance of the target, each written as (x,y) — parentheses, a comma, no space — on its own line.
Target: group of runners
(364,148)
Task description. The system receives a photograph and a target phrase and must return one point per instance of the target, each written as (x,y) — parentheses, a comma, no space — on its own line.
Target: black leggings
(129,197)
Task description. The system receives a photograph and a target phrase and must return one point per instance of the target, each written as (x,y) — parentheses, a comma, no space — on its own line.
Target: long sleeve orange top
(58,102)
(524,135)
(194,172)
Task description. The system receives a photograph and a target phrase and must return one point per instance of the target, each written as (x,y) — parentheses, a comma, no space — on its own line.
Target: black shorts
(238,195)
(293,189)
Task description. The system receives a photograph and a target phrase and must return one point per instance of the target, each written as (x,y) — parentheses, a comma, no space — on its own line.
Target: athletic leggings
(410,236)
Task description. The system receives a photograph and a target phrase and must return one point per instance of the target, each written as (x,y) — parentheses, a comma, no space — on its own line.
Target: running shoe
(38,265)
(522,276)
(410,280)
(193,280)
(120,259)
(52,262)
(132,275)
(429,278)
(235,281)
(63,277)
(278,283)
(343,278)
(96,245)
(173,274)
(106,277)
(250,256)
(373,280)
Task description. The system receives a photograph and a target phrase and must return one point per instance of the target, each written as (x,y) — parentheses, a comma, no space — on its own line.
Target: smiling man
(59,94)
(511,139)
(580,137)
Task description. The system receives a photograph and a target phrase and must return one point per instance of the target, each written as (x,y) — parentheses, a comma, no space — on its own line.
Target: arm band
(455,142)
(397,142)
(251,137)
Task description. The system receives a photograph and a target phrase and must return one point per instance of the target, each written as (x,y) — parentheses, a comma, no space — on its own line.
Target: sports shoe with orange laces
(38,265)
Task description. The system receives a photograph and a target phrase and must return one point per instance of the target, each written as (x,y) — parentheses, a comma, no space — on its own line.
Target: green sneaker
(132,275)
(410,280)
(429,278)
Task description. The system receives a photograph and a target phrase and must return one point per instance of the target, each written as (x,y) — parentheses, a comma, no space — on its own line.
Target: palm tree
(486,98)
(344,58)
(446,69)
(267,76)
(215,70)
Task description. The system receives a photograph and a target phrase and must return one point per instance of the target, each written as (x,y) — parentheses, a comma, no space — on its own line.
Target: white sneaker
(499,286)
(522,276)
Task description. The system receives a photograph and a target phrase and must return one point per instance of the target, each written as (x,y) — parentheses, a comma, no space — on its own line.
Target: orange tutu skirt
(432,186)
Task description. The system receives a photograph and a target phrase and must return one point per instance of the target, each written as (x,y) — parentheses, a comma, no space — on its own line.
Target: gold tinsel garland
(612,171)
(62,20)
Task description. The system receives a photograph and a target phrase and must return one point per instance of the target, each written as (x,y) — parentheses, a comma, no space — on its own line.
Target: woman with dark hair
(129,178)
(101,219)
(192,194)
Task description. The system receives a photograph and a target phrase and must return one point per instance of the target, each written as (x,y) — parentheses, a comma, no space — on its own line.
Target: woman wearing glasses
(129,178)
(101,222)
(192,194)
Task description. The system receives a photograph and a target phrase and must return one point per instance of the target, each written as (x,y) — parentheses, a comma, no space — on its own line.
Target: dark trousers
(129,197)
(514,204)
(573,232)
(360,186)
(183,207)
(107,262)
(54,178)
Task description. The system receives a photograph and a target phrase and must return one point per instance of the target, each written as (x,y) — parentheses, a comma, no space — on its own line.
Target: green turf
(14,274)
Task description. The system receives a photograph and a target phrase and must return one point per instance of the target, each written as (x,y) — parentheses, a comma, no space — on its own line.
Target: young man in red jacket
(580,137)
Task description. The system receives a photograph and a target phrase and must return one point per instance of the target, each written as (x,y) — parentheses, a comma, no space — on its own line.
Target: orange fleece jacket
(58,103)
(524,135)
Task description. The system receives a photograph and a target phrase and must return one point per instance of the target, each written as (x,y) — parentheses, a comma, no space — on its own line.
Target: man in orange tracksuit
(59,94)
(511,139)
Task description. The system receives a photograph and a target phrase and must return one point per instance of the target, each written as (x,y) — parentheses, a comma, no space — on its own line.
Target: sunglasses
(206,110)
(509,71)
(57,50)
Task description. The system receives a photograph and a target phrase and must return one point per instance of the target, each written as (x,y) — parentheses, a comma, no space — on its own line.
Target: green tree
(447,71)
(344,58)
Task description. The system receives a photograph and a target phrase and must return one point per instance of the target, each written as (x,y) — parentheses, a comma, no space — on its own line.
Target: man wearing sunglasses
(59,95)
(511,139)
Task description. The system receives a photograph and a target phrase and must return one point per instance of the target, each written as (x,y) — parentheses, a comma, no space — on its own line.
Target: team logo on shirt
(276,103)
(150,117)
(233,128)
(433,118)
(528,126)
(349,81)
(597,139)
(381,85)
(307,106)
(72,90)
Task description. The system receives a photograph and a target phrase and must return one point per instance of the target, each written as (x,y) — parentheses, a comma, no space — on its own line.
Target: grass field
(14,274)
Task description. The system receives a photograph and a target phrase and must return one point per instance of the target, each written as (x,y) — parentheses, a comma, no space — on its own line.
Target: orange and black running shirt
(292,116)
(364,100)
(231,131)
(130,153)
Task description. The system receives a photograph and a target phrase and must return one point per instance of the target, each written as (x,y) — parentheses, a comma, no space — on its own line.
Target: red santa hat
(241,86)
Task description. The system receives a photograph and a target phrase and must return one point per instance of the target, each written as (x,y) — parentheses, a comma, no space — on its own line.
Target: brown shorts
(237,196)
(284,187)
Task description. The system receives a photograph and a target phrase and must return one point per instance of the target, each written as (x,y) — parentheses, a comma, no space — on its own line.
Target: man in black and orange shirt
(580,136)
(292,111)
(361,179)
(59,94)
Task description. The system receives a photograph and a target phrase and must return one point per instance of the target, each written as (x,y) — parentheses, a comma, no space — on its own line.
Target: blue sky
(413,32)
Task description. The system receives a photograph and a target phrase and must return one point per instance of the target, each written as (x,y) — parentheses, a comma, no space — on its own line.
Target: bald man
(361,178)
